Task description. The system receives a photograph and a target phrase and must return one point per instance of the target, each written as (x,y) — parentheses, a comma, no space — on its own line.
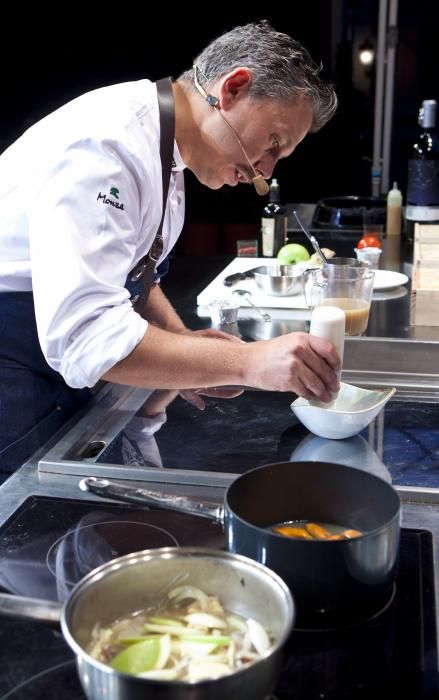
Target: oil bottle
(274,223)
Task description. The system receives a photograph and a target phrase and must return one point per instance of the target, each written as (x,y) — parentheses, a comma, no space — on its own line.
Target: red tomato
(369,242)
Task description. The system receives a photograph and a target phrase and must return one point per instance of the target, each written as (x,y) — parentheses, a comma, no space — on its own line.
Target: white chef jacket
(80,204)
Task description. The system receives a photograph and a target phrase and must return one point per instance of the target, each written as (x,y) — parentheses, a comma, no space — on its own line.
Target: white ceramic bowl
(352,410)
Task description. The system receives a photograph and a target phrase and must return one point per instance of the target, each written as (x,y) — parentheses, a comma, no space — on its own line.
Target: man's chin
(216,182)
(213,184)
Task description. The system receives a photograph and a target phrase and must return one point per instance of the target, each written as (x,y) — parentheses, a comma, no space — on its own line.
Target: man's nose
(266,166)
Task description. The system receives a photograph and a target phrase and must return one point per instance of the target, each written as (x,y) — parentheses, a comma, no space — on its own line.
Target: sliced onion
(160,674)
(187,592)
(199,670)
(231,654)
(259,637)
(165,651)
(202,619)
(178,631)
(237,623)
(247,655)
(171,621)
(194,650)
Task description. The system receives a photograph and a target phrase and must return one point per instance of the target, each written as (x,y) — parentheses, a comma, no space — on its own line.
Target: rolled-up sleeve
(85,223)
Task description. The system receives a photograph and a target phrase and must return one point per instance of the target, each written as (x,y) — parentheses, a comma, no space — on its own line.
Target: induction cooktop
(50,543)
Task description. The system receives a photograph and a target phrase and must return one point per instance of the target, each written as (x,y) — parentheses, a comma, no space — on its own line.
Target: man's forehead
(292,121)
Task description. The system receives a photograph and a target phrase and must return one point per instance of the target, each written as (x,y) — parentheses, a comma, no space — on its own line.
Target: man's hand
(295,362)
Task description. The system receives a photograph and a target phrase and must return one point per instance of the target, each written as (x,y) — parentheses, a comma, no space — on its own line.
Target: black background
(50,56)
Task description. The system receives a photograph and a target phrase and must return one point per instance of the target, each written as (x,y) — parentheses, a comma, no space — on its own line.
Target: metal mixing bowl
(279,280)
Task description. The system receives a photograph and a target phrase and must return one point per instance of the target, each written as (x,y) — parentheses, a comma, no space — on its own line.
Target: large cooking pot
(137,581)
(348,212)
(332,582)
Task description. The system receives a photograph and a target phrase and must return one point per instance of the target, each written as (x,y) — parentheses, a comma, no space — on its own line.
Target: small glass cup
(348,287)
(247,248)
(224,311)
(370,256)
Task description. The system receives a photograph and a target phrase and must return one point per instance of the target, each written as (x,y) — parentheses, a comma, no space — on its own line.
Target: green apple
(292,253)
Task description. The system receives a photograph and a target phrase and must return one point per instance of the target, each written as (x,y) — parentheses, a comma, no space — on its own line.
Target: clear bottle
(423,171)
(394,209)
(274,223)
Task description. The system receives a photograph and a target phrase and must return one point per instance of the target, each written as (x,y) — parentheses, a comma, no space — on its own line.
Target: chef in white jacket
(80,206)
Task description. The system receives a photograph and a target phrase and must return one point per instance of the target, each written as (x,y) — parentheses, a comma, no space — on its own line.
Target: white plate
(386,294)
(386,279)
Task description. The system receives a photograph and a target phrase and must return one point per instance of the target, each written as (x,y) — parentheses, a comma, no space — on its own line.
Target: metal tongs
(312,239)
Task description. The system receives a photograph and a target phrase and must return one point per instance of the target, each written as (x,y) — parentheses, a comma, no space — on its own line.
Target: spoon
(312,239)
(247,295)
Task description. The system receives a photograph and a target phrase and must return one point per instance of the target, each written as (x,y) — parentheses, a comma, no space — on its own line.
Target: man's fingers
(193,398)
(324,349)
(315,387)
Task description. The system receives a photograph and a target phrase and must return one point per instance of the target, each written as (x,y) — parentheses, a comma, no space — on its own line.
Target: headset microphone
(261,186)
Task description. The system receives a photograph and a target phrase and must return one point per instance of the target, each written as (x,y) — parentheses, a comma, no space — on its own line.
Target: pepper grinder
(329,322)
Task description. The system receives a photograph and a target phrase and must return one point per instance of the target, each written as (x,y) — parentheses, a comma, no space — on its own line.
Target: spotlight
(366,53)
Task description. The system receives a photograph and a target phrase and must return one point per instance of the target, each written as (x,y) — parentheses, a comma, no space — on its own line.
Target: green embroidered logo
(106,200)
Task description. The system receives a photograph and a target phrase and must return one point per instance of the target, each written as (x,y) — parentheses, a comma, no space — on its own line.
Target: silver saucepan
(137,581)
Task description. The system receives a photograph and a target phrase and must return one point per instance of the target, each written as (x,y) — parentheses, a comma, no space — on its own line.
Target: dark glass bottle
(274,223)
(423,171)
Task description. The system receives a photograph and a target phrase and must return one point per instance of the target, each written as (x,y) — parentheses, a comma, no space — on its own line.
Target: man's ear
(233,86)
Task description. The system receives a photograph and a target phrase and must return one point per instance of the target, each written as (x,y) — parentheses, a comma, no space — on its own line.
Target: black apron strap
(145,268)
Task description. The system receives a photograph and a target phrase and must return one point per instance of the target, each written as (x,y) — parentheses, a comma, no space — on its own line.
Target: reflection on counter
(254,329)
(407,440)
(136,445)
(352,452)
(258,427)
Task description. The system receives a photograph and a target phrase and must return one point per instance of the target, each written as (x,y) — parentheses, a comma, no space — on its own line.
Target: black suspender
(145,267)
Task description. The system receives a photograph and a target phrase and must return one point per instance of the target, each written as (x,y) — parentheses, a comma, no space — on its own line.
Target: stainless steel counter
(389,314)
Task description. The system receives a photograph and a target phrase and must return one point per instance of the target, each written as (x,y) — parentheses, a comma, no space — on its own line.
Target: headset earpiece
(213,101)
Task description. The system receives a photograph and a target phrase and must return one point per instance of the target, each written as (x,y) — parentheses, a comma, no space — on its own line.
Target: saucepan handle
(30,609)
(153,499)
